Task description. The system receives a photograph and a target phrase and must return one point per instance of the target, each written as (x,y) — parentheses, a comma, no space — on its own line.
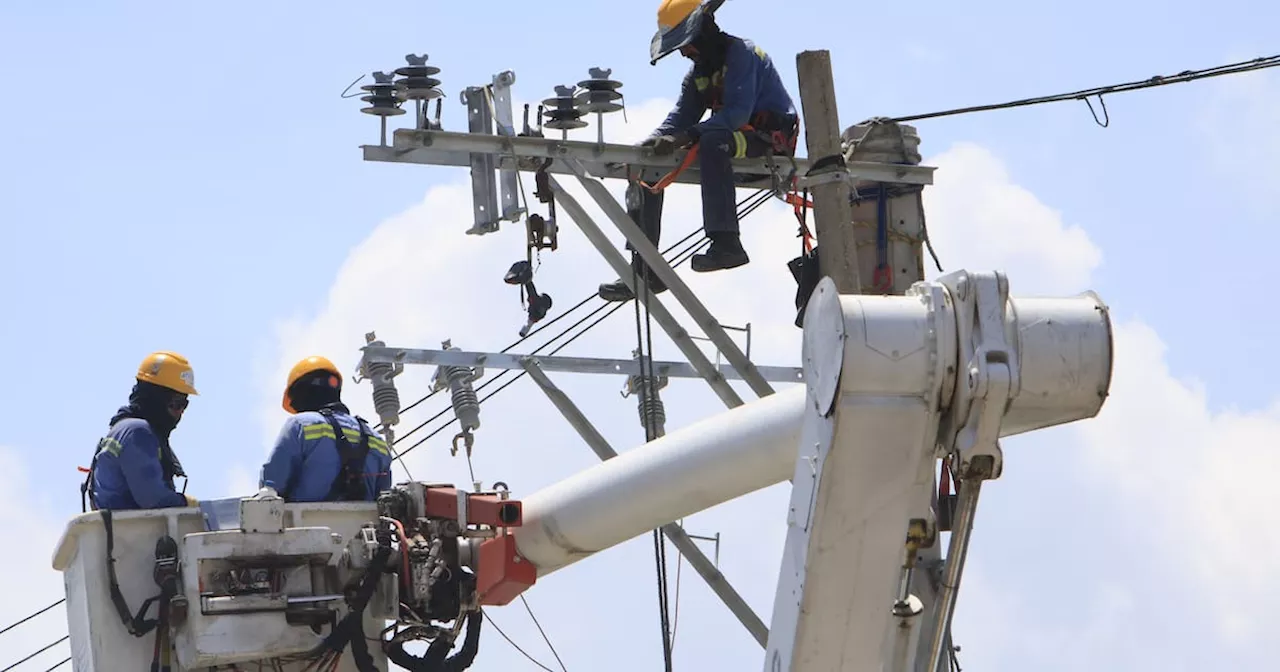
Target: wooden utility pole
(832,213)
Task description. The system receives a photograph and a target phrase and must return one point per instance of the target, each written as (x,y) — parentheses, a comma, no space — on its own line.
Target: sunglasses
(178,403)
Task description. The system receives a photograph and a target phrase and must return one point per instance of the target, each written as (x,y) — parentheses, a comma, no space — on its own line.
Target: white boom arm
(892,384)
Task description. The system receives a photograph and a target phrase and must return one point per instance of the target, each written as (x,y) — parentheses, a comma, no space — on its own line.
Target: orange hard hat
(303,367)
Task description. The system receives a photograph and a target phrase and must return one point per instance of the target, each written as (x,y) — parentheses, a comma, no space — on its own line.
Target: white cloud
(1207,477)
(418,280)
(979,219)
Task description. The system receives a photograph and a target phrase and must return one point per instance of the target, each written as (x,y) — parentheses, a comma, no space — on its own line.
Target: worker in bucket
(134,465)
(323,452)
(751,115)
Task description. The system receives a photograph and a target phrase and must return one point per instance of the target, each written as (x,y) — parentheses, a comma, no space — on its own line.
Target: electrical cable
(24,620)
(545,638)
(513,644)
(751,203)
(64,662)
(1261,63)
(42,650)
(686,255)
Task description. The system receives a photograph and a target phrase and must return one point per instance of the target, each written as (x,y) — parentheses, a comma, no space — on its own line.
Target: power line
(1261,63)
(64,662)
(611,310)
(14,625)
(514,645)
(746,206)
(46,648)
(545,638)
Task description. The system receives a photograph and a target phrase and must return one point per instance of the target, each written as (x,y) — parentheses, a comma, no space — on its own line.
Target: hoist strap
(137,624)
(670,177)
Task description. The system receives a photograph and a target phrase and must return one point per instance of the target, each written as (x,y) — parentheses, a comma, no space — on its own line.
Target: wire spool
(561,112)
(599,94)
(417,81)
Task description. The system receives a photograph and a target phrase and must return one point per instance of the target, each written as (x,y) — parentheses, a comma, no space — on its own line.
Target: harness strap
(349,486)
(137,624)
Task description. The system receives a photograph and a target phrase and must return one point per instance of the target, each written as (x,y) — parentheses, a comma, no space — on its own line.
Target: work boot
(619,291)
(725,252)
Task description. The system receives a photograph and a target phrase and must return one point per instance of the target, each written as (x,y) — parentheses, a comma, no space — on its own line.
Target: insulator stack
(382,99)
(386,398)
(599,96)
(466,405)
(417,82)
(561,111)
(462,394)
(653,413)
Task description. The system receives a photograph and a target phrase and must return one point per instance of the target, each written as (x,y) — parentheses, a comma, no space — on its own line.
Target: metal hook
(468,440)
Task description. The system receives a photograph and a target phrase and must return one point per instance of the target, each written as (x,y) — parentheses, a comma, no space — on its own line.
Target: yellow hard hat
(168,369)
(303,367)
(679,23)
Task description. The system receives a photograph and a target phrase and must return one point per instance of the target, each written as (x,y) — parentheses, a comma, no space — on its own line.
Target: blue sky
(186,177)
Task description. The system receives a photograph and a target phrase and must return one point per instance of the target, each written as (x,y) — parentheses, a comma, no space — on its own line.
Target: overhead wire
(27,618)
(644,350)
(513,644)
(60,664)
(1260,63)
(746,206)
(545,638)
(46,647)
(611,309)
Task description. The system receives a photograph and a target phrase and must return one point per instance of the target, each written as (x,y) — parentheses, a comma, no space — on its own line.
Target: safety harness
(170,468)
(349,486)
(171,604)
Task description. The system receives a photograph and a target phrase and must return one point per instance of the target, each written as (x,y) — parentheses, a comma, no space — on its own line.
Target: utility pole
(832,212)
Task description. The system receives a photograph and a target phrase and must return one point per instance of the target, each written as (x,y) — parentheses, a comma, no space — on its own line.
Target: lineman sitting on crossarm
(323,452)
(751,114)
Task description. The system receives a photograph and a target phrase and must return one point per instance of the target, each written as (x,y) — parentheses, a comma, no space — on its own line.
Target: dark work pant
(719,195)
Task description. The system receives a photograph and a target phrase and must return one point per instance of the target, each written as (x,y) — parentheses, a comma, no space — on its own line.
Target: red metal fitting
(482,509)
(501,573)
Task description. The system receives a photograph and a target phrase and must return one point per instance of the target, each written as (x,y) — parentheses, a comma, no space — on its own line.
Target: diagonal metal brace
(688,300)
(679,538)
(668,323)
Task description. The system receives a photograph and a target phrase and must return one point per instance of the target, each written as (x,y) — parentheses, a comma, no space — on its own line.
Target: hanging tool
(521,274)
(543,233)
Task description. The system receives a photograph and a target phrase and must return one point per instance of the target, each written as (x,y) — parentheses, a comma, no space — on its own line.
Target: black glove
(667,144)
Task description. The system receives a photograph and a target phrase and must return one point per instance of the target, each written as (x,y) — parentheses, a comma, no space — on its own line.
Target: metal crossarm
(660,313)
(688,300)
(607,160)
(595,365)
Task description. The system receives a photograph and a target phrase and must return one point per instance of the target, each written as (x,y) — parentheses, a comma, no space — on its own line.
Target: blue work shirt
(751,84)
(305,461)
(127,474)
